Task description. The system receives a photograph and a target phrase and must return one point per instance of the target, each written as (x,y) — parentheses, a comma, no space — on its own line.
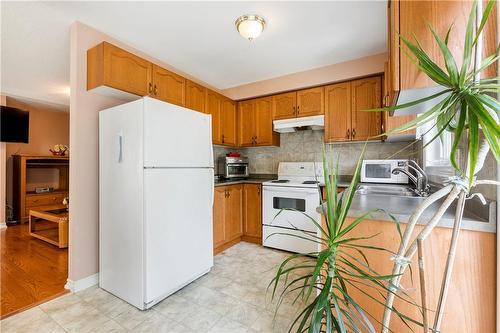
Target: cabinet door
(366,94)
(310,102)
(195,96)
(122,70)
(284,105)
(252,211)
(392,70)
(414,18)
(168,86)
(213,107)
(246,110)
(233,212)
(229,124)
(389,123)
(264,134)
(219,224)
(338,112)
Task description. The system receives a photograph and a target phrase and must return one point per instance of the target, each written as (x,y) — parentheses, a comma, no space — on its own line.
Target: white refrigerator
(156,181)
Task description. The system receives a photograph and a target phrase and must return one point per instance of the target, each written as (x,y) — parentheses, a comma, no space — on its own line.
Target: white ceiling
(198,38)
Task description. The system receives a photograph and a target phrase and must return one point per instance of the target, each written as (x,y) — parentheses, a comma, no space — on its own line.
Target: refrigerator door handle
(120,147)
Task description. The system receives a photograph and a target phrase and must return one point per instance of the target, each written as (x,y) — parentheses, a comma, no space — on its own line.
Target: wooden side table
(55,232)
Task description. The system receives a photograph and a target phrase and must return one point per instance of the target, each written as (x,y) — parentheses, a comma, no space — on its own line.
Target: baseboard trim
(3,225)
(82,284)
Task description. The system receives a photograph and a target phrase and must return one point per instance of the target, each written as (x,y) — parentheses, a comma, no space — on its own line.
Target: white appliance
(297,187)
(156,183)
(314,123)
(380,171)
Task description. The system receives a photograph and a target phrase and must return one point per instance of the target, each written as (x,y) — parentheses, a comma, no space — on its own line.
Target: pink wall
(333,73)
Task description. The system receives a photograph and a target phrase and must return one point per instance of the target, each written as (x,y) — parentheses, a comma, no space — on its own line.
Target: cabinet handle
(294,111)
(222,138)
(156,90)
(258,191)
(353,133)
(150,87)
(298,109)
(348,133)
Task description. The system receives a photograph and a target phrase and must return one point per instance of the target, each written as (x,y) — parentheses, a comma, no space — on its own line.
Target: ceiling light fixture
(250,26)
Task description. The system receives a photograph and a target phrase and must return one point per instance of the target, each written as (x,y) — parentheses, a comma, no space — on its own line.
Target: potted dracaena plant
(322,281)
(468,109)
(464,107)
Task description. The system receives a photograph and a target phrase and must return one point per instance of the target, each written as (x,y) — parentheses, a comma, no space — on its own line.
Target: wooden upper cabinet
(338,112)
(264,135)
(219,224)
(409,18)
(168,86)
(229,122)
(391,76)
(112,67)
(252,212)
(214,108)
(246,128)
(285,105)
(195,96)
(365,94)
(310,102)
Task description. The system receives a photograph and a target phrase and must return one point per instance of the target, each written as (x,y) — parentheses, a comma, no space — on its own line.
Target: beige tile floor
(231,298)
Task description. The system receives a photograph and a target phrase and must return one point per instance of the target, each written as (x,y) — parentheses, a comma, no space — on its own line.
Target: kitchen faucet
(420,181)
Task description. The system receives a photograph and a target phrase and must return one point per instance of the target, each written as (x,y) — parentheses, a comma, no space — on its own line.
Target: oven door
(304,200)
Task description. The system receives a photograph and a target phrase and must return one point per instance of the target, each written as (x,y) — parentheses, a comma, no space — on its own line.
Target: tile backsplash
(307,146)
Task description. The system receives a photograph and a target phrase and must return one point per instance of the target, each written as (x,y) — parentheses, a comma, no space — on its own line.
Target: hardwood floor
(32,271)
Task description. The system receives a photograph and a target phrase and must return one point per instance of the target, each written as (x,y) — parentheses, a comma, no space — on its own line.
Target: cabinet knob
(353,133)
(298,109)
(348,133)
(222,138)
(156,90)
(150,87)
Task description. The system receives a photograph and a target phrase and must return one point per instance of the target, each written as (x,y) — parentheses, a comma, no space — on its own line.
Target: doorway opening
(34,238)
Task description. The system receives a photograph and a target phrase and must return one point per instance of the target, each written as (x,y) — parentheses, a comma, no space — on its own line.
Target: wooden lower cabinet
(252,213)
(227,216)
(237,215)
(470,306)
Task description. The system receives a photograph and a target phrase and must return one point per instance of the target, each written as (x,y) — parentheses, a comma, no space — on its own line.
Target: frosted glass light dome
(250,26)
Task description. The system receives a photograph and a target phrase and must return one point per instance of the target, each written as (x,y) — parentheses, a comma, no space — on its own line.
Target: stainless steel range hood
(314,123)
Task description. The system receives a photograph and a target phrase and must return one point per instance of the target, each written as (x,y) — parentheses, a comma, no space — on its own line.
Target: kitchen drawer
(34,200)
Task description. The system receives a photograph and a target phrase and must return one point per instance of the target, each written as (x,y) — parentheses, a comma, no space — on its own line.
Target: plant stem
(449,262)
(423,290)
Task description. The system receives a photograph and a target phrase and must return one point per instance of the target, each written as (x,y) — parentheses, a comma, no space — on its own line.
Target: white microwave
(380,171)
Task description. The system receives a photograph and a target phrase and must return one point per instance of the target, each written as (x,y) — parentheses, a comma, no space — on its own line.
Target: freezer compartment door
(178,228)
(175,136)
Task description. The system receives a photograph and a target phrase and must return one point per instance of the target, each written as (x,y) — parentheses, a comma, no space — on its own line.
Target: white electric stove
(297,188)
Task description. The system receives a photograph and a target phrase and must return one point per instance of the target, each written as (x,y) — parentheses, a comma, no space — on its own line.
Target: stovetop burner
(310,182)
(280,181)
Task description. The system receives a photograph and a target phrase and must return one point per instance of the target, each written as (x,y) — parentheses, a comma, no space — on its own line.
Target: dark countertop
(253,179)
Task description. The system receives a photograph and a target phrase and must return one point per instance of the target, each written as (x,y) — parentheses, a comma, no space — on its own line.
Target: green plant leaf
(449,61)
(473,146)
(468,46)
(486,14)
(457,137)
(426,65)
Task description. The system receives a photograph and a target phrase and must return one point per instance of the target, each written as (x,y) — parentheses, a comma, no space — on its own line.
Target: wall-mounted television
(14,125)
